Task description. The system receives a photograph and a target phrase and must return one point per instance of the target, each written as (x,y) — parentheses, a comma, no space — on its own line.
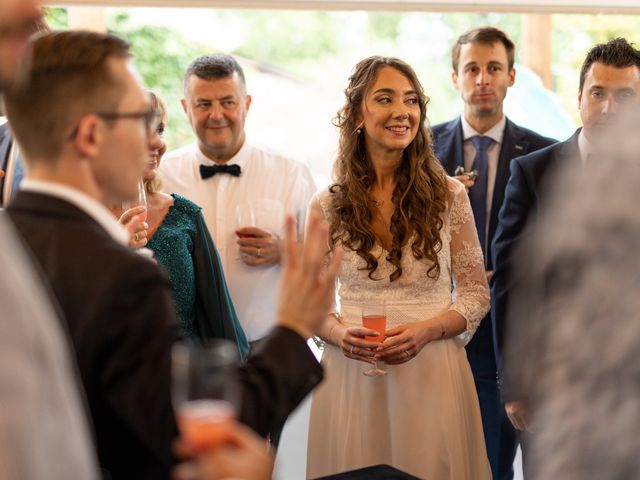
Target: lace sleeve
(471,291)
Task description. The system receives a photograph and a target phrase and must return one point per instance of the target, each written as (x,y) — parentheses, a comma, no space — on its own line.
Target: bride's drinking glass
(374,316)
(205,391)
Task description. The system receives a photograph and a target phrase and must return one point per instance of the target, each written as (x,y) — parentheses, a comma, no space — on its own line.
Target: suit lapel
(514,144)
(449,147)
(50,208)
(569,151)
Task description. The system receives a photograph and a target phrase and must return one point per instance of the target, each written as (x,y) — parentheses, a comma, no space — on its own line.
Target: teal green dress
(183,247)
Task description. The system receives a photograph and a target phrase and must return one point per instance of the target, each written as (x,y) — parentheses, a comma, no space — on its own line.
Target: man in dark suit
(39,389)
(483,140)
(86,150)
(609,81)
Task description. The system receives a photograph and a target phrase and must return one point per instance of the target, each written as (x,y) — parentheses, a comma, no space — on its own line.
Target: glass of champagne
(374,316)
(205,391)
(139,201)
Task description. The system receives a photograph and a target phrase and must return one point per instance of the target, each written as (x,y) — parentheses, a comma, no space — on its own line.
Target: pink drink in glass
(205,423)
(377,323)
(374,316)
(142,216)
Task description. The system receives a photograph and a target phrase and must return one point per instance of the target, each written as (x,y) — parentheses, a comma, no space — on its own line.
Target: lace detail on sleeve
(460,213)
(471,292)
(324,202)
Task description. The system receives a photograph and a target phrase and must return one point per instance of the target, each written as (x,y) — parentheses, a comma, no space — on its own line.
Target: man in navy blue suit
(482,143)
(609,82)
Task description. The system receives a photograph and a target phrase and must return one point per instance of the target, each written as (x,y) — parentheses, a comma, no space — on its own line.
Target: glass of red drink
(245,217)
(374,316)
(205,391)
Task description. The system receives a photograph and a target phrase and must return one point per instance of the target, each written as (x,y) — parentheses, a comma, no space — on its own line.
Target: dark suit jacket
(119,312)
(279,373)
(448,147)
(523,197)
(120,315)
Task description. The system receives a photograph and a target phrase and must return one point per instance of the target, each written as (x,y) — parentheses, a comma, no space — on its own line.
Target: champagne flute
(139,201)
(205,391)
(374,316)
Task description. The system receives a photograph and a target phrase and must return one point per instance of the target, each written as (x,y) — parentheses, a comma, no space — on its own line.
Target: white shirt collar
(88,205)
(496,132)
(240,158)
(585,147)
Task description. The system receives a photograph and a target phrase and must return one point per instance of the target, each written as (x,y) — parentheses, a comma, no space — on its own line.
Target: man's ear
(512,77)
(183,102)
(89,137)
(247,103)
(454,79)
(580,100)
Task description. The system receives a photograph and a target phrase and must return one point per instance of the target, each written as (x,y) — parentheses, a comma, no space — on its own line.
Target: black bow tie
(207,171)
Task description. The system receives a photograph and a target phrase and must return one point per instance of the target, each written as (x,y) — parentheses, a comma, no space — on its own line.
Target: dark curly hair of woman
(420,193)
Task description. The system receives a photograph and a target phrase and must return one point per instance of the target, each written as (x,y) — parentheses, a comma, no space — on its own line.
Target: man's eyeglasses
(151,118)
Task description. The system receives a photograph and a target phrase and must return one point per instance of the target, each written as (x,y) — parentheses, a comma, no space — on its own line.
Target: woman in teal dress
(178,236)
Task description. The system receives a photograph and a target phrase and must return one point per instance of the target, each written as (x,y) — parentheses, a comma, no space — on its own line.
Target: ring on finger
(352,347)
(407,354)
(259,252)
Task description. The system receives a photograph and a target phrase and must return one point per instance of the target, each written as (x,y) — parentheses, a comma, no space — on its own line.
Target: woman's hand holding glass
(405,341)
(133,220)
(354,345)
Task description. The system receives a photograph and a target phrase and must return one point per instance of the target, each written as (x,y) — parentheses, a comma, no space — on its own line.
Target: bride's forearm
(446,325)
(332,329)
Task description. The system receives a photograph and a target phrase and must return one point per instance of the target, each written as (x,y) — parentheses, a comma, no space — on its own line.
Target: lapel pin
(473,174)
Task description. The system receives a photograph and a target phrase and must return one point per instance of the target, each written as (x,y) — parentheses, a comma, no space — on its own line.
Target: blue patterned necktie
(478,193)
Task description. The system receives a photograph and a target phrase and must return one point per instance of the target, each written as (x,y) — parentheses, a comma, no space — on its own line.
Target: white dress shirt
(272,186)
(585,147)
(493,155)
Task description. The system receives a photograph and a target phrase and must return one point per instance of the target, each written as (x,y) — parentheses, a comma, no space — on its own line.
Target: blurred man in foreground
(39,396)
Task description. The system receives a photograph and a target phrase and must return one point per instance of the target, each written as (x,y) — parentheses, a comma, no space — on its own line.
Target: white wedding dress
(423,416)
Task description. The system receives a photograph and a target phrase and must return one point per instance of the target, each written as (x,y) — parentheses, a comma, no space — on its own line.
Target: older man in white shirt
(244,190)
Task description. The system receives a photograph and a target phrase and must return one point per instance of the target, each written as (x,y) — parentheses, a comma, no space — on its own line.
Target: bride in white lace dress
(408,237)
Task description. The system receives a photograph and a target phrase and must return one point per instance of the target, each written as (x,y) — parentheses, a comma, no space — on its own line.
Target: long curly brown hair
(420,193)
